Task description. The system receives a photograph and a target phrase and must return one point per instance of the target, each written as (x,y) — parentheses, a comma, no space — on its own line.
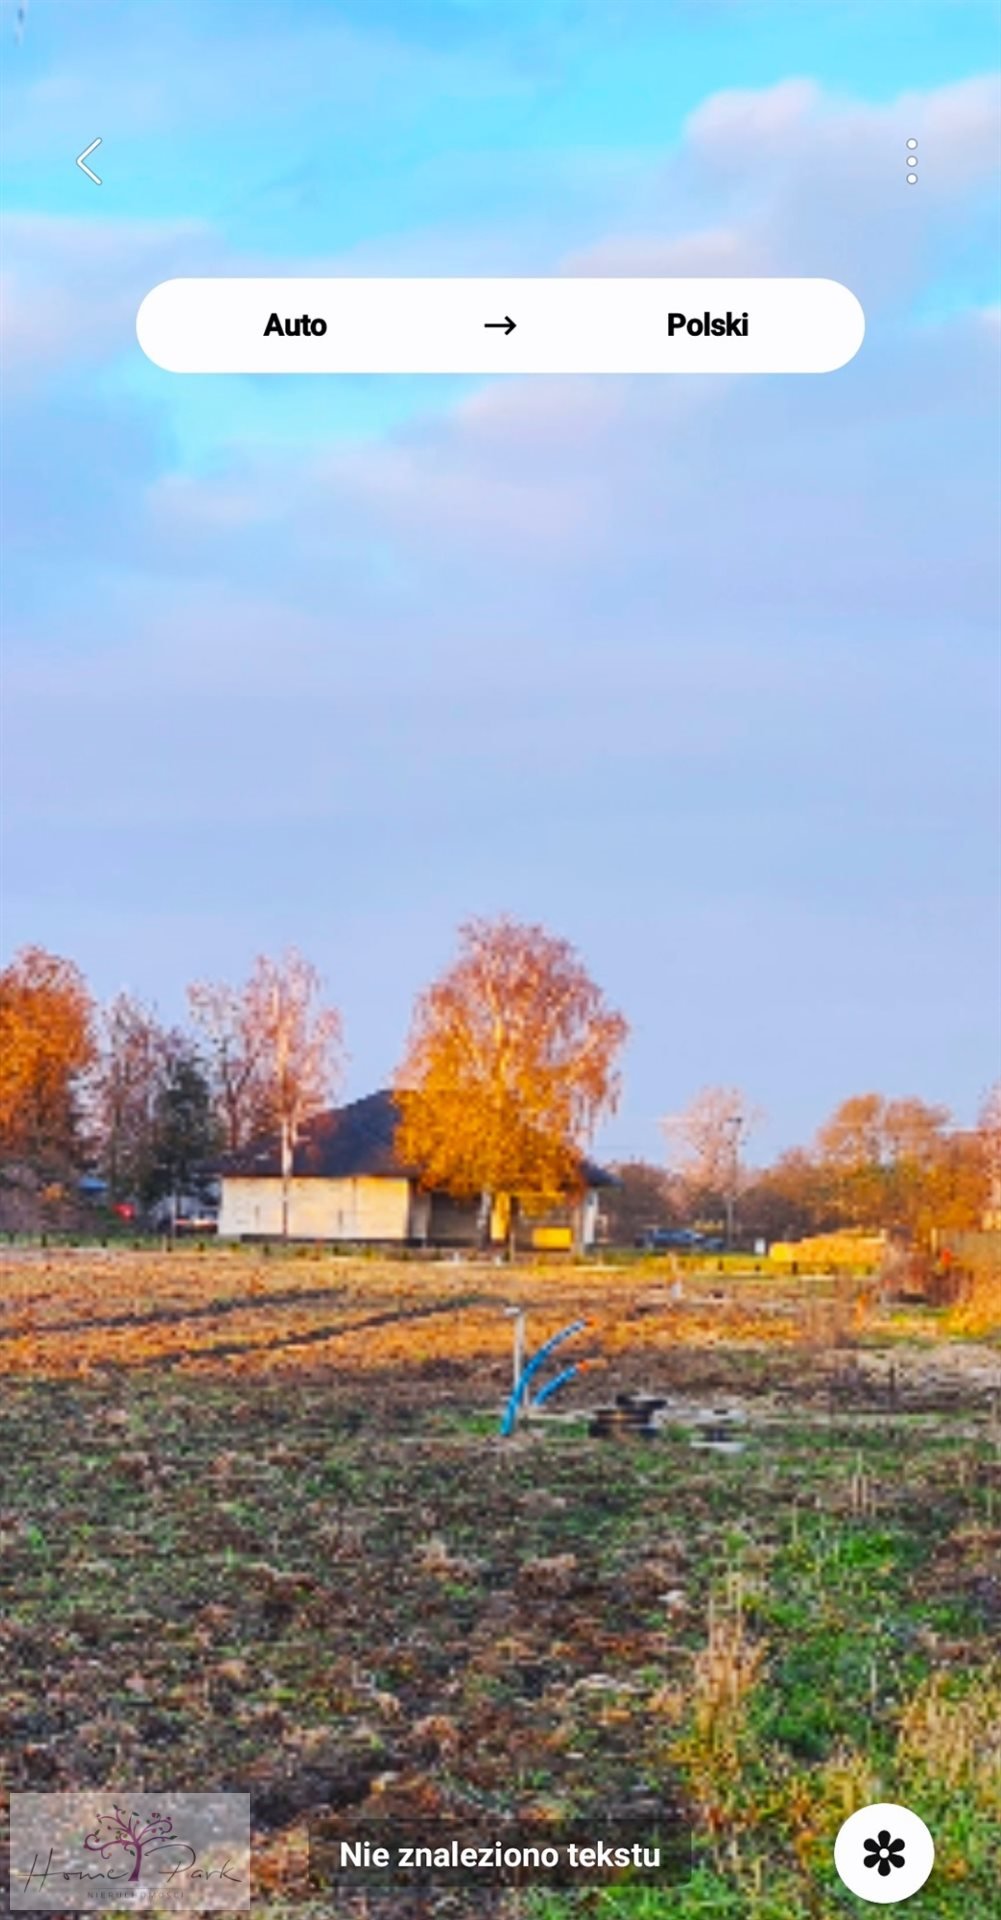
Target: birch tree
(706,1145)
(275,1053)
(511,1061)
(300,1048)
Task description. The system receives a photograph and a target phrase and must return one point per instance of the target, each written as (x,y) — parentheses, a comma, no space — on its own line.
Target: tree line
(511,1062)
(149,1105)
(876,1163)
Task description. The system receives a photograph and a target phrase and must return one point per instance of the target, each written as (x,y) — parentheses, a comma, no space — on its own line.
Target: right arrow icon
(507,323)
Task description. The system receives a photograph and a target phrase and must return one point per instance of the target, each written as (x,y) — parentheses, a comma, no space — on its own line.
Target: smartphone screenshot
(500,1028)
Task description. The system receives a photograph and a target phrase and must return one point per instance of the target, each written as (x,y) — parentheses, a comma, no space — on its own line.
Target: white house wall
(363,1209)
(369,1208)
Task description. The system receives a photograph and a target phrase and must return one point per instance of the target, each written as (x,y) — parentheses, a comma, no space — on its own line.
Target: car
(91,1187)
(664,1239)
(196,1223)
(183,1213)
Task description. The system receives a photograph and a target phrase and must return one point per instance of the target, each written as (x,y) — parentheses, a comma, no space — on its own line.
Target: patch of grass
(314,1577)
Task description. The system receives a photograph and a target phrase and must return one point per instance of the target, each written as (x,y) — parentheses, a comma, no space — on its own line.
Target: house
(348,1183)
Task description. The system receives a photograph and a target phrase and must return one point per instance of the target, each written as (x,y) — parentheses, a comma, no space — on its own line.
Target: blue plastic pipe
(551,1386)
(528,1373)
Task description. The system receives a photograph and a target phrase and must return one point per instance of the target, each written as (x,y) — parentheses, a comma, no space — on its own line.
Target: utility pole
(286,1150)
(735,1127)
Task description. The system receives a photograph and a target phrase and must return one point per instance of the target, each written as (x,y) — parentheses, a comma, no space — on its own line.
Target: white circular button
(884,1853)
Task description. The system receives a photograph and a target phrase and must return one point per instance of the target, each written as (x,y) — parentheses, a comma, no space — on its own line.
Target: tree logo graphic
(129,1832)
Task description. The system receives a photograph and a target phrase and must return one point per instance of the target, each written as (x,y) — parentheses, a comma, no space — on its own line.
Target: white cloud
(751,120)
(809,183)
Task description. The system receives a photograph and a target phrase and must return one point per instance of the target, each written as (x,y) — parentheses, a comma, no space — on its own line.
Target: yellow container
(549,1239)
(823,1250)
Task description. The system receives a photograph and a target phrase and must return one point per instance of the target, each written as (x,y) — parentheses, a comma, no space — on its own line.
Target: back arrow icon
(81,159)
(507,323)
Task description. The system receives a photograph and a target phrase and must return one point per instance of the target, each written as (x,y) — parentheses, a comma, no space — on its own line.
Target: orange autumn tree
(901,1163)
(510,1064)
(46,1043)
(989,1149)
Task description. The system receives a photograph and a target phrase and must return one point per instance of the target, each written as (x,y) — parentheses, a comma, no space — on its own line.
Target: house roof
(345,1143)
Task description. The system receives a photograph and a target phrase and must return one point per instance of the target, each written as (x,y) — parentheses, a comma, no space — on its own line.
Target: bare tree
(274,1052)
(297,1044)
(235,1046)
(706,1147)
(124,1091)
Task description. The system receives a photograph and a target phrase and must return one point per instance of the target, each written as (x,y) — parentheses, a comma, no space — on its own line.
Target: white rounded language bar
(500,326)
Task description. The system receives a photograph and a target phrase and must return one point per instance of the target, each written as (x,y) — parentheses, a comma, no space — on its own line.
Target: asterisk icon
(884,1853)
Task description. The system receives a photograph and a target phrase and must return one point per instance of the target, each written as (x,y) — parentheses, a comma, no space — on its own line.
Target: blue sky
(702,673)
